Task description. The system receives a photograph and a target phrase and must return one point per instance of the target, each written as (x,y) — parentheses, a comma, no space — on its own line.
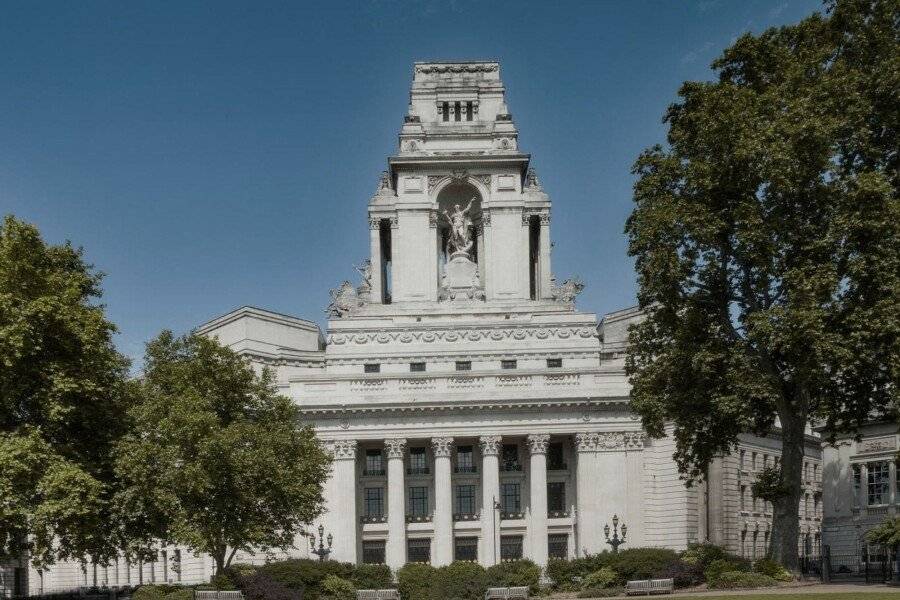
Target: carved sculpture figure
(531,180)
(460,225)
(343,300)
(568,291)
(384,183)
(365,271)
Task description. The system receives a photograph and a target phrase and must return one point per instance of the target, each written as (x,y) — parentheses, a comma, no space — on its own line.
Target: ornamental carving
(461,335)
(566,292)
(432,219)
(486,218)
(385,187)
(485,180)
(442,446)
(341,449)
(395,222)
(531,180)
(537,443)
(395,447)
(433,181)
(457,68)
(344,300)
(609,440)
(490,445)
(374,222)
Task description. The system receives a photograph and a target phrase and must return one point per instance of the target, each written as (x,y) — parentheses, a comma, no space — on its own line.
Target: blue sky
(211,155)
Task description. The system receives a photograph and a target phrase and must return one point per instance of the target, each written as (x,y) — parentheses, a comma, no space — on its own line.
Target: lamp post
(615,541)
(322,552)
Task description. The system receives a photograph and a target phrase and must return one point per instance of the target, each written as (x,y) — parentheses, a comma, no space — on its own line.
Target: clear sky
(211,155)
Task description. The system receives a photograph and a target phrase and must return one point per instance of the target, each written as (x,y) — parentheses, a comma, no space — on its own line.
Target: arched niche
(454,196)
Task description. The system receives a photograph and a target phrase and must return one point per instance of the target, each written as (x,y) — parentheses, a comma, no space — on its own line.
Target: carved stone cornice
(341,449)
(457,68)
(395,447)
(490,445)
(442,447)
(538,442)
(409,335)
(609,440)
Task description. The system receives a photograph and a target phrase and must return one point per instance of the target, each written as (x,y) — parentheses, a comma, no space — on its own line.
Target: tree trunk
(786,519)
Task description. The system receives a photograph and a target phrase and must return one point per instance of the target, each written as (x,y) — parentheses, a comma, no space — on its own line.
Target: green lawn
(881,595)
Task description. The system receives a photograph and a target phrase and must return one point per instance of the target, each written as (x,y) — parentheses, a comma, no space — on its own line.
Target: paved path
(818,588)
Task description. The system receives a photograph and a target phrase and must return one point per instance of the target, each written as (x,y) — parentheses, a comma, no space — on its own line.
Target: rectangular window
(465,499)
(510,547)
(555,460)
(445,111)
(511,498)
(374,462)
(468,111)
(465,462)
(418,501)
(373,552)
(372,368)
(456,111)
(878,482)
(417,462)
(558,545)
(508,364)
(464,365)
(374,501)
(554,363)
(509,461)
(556,496)
(465,548)
(417,367)
(418,550)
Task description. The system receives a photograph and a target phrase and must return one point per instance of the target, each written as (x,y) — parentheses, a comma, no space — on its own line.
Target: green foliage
(642,563)
(337,588)
(514,573)
(63,397)
(601,578)
(721,565)
(601,592)
(769,485)
(372,577)
(218,461)
(461,580)
(731,580)
(414,581)
(886,534)
(261,586)
(703,554)
(305,574)
(567,575)
(224,580)
(163,592)
(766,238)
(773,569)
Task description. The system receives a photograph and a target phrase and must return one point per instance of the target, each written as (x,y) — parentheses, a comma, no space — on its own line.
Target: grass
(880,595)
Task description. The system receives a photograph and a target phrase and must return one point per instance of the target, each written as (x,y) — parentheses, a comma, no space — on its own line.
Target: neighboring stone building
(473,412)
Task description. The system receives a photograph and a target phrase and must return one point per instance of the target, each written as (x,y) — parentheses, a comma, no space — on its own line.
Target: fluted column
(537,476)
(375,254)
(395,549)
(443,502)
(586,525)
(490,495)
(341,520)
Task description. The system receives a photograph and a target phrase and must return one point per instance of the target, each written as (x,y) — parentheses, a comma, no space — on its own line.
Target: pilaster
(341,520)
(537,532)
(490,495)
(443,501)
(395,549)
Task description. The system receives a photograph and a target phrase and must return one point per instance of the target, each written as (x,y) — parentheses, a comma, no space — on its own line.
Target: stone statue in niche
(460,241)
(365,288)
(343,300)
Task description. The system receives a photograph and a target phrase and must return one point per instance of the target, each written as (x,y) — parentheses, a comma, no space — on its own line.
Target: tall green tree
(217,461)
(63,396)
(766,235)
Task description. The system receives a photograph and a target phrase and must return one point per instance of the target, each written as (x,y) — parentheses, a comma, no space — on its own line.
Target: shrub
(414,581)
(730,580)
(767,566)
(567,575)
(337,588)
(305,574)
(224,580)
(682,574)
(163,592)
(601,592)
(514,573)
(459,581)
(372,577)
(719,566)
(601,578)
(262,586)
(642,563)
(703,554)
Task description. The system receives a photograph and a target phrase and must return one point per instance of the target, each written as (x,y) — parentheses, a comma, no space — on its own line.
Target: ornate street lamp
(615,541)
(322,552)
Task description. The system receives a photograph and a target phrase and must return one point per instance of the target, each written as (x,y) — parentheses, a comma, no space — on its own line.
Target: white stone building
(473,411)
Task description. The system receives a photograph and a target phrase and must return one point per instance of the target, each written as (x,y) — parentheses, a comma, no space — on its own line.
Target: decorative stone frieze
(395,447)
(340,449)
(538,442)
(457,68)
(490,445)
(407,336)
(609,441)
(442,446)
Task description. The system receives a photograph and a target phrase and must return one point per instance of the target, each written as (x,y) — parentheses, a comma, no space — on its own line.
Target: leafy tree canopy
(767,243)
(63,395)
(218,461)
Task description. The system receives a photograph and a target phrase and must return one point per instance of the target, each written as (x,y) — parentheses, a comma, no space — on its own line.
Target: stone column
(586,526)
(537,531)
(490,495)
(341,519)
(395,550)
(443,502)
(544,270)
(375,257)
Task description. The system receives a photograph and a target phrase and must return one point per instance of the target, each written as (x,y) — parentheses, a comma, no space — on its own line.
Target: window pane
(373,368)
(558,545)
(510,547)
(465,499)
(417,366)
(418,501)
(556,496)
(878,482)
(463,365)
(465,462)
(555,457)
(466,549)
(373,552)
(510,458)
(417,462)
(511,498)
(374,502)
(508,364)
(554,363)
(374,464)
(418,550)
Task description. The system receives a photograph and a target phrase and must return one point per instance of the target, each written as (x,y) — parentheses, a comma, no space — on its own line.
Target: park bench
(217,595)
(377,595)
(499,593)
(647,587)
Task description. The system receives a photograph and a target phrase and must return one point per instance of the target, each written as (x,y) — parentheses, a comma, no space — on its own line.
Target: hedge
(262,586)
(773,569)
(163,592)
(372,577)
(414,581)
(731,580)
(459,581)
(306,575)
(337,588)
(515,573)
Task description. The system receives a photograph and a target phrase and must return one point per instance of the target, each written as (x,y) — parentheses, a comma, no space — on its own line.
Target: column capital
(340,449)
(490,445)
(586,442)
(395,447)
(537,443)
(442,446)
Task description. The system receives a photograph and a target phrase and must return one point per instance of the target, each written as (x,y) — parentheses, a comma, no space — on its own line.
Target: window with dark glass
(878,483)
(468,111)
(464,365)
(374,462)
(510,458)
(465,499)
(857,483)
(510,547)
(465,462)
(416,367)
(511,497)
(372,368)
(417,462)
(456,111)
(373,552)
(555,461)
(508,364)
(418,550)
(554,363)
(465,548)
(374,502)
(445,110)
(556,496)
(418,501)
(557,545)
